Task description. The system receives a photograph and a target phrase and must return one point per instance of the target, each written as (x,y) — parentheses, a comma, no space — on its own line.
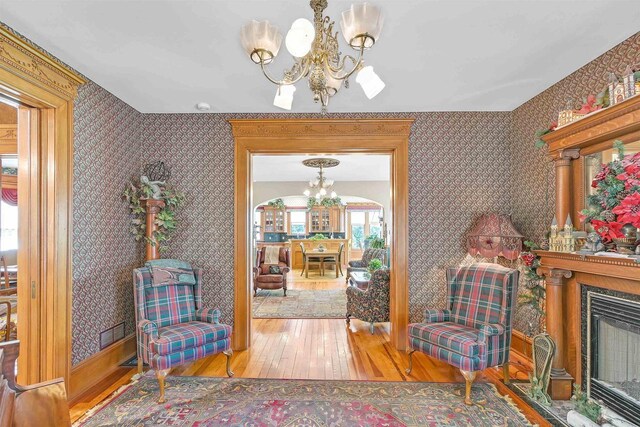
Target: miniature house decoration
(567,116)
(617,90)
(562,240)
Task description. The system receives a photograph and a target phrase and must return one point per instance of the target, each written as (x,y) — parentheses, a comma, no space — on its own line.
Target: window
(9,221)
(298,222)
(374,224)
(357,229)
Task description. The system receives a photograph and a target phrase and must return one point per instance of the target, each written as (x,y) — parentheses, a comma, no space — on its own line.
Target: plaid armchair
(372,304)
(172,327)
(474,332)
(367,256)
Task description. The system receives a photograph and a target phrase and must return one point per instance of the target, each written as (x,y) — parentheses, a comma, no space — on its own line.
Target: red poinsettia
(628,210)
(630,176)
(608,230)
(528,258)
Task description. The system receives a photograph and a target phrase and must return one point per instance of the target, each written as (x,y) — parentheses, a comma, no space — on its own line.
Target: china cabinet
(274,220)
(326,219)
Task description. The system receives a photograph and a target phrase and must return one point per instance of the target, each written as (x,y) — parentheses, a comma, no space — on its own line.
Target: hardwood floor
(325,349)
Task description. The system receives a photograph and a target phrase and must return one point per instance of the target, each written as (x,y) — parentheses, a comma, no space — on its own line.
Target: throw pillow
(274,269)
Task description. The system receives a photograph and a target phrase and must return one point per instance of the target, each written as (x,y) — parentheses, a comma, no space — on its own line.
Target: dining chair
(337,262)
(312,261)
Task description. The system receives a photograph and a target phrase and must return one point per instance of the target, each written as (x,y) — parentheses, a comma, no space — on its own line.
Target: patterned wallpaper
(106,153)
(458,169)
(532,174)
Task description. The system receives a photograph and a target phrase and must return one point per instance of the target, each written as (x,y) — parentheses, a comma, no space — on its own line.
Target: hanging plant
(327,202)
(535,293)
(277,203)
(137,191)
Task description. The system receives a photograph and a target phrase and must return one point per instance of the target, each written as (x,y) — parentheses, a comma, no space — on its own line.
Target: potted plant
(374,264)
(373,241)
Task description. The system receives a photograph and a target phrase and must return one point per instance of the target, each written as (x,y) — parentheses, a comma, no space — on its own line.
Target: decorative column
(560,386)
(153,207)
(563,184)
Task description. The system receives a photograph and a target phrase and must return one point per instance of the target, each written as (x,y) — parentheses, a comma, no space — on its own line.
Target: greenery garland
(277,203)
(535,293)
(134,193)
(326,202)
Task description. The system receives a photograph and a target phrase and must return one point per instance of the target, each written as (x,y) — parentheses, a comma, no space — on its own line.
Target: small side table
(360,279)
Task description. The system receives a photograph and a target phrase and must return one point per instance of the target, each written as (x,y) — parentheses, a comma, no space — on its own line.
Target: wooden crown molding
(324,127)
(27,61)
(600,127)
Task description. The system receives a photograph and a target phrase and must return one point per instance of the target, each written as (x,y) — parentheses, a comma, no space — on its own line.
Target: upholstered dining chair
(370,304)
(172,326)
(363,263)
(474,331)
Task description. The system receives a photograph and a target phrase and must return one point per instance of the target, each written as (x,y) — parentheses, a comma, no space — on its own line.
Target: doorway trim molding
(322,136)
(44,89)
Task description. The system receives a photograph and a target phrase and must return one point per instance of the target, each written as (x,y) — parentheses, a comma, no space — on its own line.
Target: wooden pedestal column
(153,207)
(560,386)
(564,199)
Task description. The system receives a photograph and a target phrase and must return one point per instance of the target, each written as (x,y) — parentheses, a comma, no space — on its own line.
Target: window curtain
(10,196)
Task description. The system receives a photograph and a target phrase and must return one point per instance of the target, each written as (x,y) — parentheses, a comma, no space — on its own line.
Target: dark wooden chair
(43,404)
(336,262)
(312,261)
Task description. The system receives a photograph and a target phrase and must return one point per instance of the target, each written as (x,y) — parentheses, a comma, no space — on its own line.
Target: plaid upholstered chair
(172,327)
(371,304)
(363,263)
(474,332)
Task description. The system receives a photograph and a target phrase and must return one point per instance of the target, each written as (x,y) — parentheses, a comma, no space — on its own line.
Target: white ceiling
(434,55)
(352,167)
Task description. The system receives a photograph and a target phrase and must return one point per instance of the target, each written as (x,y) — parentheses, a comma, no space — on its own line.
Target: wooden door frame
(32,78)
(321,136)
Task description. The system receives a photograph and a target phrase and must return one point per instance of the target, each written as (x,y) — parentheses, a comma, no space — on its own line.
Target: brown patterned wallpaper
(107,150)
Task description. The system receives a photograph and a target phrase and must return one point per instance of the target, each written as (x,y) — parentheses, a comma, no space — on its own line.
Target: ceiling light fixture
(321,188)
(317,53)
(203,106)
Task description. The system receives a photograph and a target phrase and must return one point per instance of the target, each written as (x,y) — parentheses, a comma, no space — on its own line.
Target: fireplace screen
(614,359)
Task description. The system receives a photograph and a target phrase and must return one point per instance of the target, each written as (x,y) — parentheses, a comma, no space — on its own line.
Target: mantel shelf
(624,268)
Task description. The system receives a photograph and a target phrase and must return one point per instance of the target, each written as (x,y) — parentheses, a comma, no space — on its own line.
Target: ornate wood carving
(312,128)
(8,139)
(19,56)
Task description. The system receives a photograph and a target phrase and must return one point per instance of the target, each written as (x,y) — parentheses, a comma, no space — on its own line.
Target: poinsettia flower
(553,125)
(628,210)
(607,230)
(528,258)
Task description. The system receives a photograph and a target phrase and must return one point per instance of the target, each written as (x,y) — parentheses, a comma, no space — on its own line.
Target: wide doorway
(320,226)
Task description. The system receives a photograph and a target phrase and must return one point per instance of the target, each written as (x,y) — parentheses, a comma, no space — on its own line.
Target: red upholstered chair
(263,279)
(474,331)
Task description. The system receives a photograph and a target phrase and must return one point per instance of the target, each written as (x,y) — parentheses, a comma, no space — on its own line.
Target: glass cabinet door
(279,221)
(269,221)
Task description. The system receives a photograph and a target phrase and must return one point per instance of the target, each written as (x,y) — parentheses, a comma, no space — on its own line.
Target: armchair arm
(148,327)
(285,270)
(357,264)
(489,330)
(256,271)
(208,315)
(435,316)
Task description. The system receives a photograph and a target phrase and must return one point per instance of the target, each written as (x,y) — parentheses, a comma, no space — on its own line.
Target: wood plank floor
(325,349)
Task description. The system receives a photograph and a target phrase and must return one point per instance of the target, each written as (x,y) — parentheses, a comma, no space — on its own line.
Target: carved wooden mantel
(564,272)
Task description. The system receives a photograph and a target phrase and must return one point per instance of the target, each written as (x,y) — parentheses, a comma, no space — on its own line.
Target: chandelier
(316,51)
(321,187)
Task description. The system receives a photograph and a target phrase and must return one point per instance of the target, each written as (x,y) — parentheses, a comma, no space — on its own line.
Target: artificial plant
(375,241)
(326,202)
(137,191)
(374,264)
(277,203)
(534,295)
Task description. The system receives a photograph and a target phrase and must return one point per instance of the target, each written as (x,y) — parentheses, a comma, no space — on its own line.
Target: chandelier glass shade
(321,187)
(316,51)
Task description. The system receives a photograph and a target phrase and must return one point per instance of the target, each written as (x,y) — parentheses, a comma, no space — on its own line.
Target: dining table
(322,255)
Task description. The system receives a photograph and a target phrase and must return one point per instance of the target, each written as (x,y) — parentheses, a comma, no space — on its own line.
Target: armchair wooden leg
(469,377)
(505,373)
(161,374)
(348,319)
(410,368)
(371,328)
(228,353)
(140,365)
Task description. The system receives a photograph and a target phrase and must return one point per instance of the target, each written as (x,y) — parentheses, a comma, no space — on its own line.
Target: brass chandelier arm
(335,71)
(304,69)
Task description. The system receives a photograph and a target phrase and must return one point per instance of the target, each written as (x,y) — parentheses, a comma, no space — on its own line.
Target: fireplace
(611,349)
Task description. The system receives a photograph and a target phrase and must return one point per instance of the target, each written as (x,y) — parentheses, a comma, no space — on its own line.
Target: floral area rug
(205,401)
(300,304)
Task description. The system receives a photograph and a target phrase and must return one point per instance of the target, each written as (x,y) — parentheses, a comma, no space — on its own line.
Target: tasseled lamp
(495,235)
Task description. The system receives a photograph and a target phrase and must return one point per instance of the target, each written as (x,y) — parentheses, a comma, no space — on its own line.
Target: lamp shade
(260,35)
(370,82)
(284,96)
(495,235)
(361,18)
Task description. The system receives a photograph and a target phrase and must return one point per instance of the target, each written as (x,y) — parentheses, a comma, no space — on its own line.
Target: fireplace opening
(613,352)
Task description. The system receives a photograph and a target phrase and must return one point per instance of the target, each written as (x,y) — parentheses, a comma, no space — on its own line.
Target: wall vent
(111,335)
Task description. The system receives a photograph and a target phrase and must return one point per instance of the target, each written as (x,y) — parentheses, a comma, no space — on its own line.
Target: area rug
(300,304)
(205,401)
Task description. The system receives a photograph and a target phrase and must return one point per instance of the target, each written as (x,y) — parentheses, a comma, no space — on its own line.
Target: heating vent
(111,335)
